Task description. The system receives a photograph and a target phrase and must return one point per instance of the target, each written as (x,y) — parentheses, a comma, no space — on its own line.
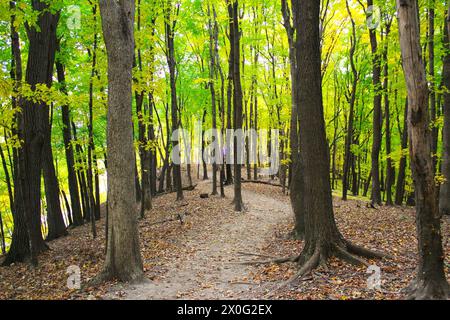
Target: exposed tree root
(427,290)
(310,264)
(309,260)
(262,182)
(271,261)
(366,253)
(109,275)
(345,255)
(256,255)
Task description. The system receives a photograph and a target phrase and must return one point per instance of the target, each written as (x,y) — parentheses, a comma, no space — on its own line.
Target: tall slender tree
(432,80)
(401,178)
(235,36)
(444,193)
(68,148)
(213,35)
(390,169)
(19,249)
(296,184)
(170,23)
(322,237)
(41,59)
(123,256)
(377,115)
(351,98)
(430,281)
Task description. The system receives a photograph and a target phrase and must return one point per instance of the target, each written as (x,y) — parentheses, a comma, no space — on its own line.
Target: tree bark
(230,97)
(41,56)
(390,169)
(351,100)
(170,24)
(68,148)
(296,184)
(213,35)
(93,201)
(400,188)
(430,281)
(377,117)
(432,81)
(144,152)
(322,238)
(55,220)
(123,257)
(235,35)
(444,194)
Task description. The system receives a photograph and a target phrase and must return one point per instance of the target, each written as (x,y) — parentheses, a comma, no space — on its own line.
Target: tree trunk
(400,189)
(55,220)
(213,35)
(170,24)
(322,238)
(432,81)
(11,199)
(296,185)
(68,148)
(430,282)
(91,145)
(144,153)
(235,35)
(41,56)
(82,176)
(390,170)
(351,100)
(123,257)
(377,117)
(230,98)
(151,137)
(444,194)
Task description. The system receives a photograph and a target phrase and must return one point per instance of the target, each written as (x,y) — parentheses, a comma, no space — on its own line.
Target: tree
(55,220)
(377,116)
(144,154)
(390,170)
(123,256)
(235,47)
(34,129)
(444,195)
(322,237)
(70,159)
(400,188)
(296,185)
(431,72)
(19,249)
(351,98)
(169,25)
(213,34)
(430,281)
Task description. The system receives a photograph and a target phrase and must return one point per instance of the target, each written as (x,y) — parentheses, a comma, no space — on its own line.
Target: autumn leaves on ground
(204,256)
(109,109)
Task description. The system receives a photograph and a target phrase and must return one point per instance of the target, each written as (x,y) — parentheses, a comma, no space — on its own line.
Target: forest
(225,149)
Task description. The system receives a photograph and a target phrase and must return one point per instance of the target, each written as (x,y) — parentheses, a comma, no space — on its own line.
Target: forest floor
(201,257)
(206,264)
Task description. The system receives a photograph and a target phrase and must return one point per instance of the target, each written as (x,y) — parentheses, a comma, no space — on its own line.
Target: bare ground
(212,269)
(197,259)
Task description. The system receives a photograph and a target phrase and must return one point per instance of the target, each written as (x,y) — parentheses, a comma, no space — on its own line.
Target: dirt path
(211,271)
